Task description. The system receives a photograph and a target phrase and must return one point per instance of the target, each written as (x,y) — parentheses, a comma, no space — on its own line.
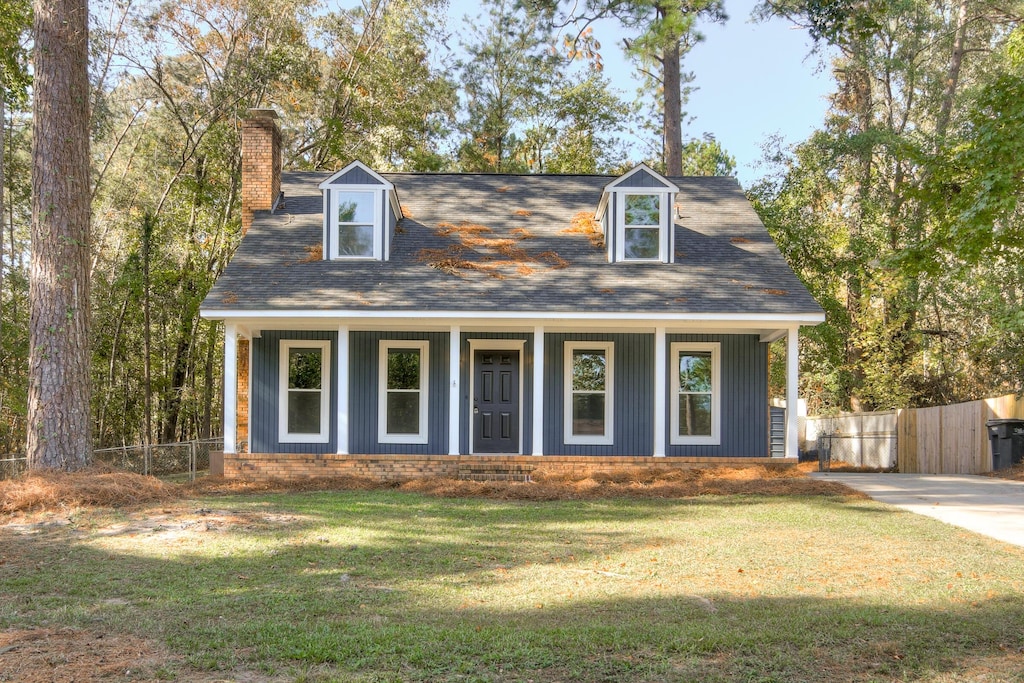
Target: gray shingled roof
(725,260)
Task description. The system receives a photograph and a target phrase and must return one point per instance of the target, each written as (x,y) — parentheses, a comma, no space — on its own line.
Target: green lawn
(390,586)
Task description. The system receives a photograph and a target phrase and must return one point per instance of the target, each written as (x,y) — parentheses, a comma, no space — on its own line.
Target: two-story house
(413,318)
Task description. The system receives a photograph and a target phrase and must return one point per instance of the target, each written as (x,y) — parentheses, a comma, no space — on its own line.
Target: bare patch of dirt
(84,656)
(72,656)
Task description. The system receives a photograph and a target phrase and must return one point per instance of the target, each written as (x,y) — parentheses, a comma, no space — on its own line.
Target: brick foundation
(263,466)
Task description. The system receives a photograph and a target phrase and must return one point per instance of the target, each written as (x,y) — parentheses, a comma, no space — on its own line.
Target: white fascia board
(384,182)
(602,205)
(752,320)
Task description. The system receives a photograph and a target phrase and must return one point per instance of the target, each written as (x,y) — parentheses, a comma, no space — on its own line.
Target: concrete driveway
(993,507)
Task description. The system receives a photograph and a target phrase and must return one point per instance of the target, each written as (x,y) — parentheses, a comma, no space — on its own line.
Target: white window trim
(332,223)
(283,436)
(665,200)
(716,393)
(608,437)
(384,346)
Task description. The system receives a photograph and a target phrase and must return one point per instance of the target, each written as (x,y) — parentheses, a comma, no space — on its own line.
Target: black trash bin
(1007,438)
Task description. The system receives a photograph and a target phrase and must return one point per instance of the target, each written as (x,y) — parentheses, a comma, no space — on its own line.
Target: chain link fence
(183,460)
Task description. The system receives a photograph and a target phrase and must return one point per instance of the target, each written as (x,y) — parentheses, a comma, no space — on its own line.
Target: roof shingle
(523,257)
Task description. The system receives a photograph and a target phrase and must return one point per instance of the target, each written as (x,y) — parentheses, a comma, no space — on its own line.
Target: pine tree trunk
(673,115)
(59,421)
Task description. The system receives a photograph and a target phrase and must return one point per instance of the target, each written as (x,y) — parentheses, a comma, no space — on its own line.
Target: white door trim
(496,345)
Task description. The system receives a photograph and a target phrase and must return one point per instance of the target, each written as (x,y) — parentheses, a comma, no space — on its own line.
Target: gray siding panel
(526,367)
(744,402)
(642,179)
(264,377)
(633,371)
(357,176)
(364,366)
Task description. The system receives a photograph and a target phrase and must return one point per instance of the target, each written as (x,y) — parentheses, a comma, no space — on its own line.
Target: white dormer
(361,211)
(636,215)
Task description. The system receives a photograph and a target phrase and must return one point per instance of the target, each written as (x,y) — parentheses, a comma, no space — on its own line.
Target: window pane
(694,415)
(588,414)
(642,243)
(643,209)
(303,412)
(355,240)
(695,371)
(304,367)
(588,368)
(403,368)
(355,207)
(403,413)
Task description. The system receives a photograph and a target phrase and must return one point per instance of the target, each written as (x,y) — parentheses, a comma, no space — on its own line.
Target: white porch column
(538,390)
(660,392)
(342,380)
(230,417)
(792,397)
(454,389)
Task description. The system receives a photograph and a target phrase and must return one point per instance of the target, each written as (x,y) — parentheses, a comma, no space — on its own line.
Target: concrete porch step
(495,471)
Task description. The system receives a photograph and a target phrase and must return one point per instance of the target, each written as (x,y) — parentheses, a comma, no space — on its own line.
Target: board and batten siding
(642,179)
(526,399)
(633,375)
(264,380)
(364,391)
(744,401)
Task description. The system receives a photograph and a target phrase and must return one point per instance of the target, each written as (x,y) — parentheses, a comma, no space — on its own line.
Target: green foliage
(378,98)
(706,156)
(15,24)
(886,212)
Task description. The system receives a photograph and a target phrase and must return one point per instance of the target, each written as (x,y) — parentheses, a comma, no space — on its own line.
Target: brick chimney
(261,164)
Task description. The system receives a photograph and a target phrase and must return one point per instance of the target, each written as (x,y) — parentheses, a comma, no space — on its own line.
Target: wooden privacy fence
(951,439)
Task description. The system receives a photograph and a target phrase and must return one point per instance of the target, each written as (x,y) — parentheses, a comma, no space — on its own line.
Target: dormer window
(636,217)
(361,211)
(355,219)
(642,227)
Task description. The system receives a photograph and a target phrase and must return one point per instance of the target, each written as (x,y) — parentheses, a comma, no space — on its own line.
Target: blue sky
(753,81)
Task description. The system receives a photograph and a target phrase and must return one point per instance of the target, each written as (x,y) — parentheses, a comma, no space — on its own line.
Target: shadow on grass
(395,587)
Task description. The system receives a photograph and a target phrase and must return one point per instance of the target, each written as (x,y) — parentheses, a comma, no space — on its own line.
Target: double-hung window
(588,392)
(304,391)
(355,223)
(402,391)
(696,393)
(642,226)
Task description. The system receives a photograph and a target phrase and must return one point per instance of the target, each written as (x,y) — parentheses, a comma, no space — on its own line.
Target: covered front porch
(645,415)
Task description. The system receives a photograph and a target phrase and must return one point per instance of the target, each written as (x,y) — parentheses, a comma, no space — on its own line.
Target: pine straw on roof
(96,486)
(584,223)
(497,257)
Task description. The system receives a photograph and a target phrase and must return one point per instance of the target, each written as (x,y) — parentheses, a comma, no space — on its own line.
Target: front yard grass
(394,586)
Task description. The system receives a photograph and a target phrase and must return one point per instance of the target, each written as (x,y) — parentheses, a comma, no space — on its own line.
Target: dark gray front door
(496,402)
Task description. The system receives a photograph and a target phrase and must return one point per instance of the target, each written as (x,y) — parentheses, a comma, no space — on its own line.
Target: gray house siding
(642,179)
(633,376)
(744,401)
(264,379)
(525,367)
(364,367)
(357,176)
